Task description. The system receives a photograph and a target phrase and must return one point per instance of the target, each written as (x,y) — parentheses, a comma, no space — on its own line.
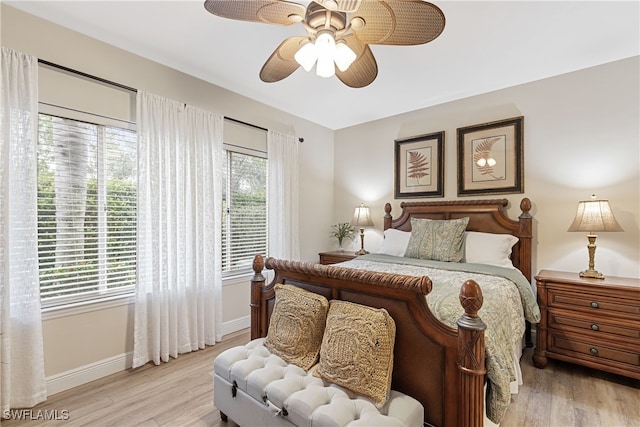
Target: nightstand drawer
(336,257)
(594,351)
(593,325)
(595,303)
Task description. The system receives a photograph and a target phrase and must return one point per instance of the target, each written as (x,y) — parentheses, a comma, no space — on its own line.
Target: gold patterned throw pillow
(357,350)
(297,325)
(438,240)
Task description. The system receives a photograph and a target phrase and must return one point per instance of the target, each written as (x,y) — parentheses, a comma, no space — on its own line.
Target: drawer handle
(595,327)
(594,304)
(594,351)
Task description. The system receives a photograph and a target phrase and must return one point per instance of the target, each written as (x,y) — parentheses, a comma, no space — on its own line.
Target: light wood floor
(179,393)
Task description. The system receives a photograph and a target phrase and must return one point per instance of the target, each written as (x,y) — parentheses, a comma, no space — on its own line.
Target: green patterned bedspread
(508,301)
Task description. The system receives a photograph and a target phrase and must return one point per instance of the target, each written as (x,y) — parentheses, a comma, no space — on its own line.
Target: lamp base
(591,274)
(362,251)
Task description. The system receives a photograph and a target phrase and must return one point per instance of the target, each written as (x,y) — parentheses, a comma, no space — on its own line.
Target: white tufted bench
(256,388)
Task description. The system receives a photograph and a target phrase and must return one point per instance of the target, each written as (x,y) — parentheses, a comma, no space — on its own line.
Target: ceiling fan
(339,33)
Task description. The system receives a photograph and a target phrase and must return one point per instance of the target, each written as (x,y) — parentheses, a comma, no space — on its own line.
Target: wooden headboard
(488,216)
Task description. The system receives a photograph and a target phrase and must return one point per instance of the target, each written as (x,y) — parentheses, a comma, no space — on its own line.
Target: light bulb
(306,56)
(491,161)
(326,50)
(325,67)
(344,56)
(481,162)
(325,44)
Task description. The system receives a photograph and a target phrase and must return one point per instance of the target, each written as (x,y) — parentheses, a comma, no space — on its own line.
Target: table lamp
(361,218)
(592,216)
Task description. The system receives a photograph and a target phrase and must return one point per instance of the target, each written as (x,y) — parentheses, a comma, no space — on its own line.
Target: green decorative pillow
(438,240)
(357,350)
(297,325)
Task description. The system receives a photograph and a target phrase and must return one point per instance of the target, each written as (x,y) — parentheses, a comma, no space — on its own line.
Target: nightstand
(336,256)
(590,322)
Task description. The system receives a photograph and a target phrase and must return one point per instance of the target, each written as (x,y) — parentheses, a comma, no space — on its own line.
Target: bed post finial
(257,283)
(387,216)
(258,266)
(525,207)
(471,299)
(471,355)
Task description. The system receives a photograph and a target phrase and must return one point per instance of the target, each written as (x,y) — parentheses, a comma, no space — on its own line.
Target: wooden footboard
(440,366)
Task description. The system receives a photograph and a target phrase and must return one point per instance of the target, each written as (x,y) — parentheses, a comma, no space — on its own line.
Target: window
(86,210)
(244,211)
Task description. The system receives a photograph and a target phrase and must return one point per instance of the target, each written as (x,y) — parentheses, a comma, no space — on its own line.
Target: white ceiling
(485,46)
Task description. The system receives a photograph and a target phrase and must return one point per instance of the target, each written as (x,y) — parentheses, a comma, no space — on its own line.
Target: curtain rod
(245,123)
(130,89)
(253,126)
(89,76)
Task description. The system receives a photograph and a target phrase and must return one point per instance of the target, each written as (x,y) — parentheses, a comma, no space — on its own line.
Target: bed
(440,362)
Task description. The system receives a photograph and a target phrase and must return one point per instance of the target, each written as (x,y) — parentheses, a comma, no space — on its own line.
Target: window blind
(244,211)
(86,210)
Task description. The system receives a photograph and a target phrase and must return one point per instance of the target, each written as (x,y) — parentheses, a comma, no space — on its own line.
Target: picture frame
(419,166)
(491,158)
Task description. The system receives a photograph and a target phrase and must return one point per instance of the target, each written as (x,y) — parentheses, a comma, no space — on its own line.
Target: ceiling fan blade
(364,69)
(399,22)
(267,11)
(282,63)
(340,5)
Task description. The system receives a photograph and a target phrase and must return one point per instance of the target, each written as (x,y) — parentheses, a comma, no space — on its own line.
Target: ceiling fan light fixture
(326,50)
(306,56)
(325,44)
(344,56)
(325,67)
(326,54)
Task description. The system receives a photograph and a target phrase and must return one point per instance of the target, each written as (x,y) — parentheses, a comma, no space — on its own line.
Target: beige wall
(78,340)
(581,136)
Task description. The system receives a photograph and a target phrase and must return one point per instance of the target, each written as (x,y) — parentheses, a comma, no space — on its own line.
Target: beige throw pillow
(438,240)
(297,325)
(357,350)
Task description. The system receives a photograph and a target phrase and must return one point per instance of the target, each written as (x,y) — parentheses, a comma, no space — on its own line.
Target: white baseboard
(87,373)
(94,371)
(236,325)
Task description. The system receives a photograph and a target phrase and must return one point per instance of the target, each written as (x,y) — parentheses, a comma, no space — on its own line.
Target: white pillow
(489,248)
(395,242)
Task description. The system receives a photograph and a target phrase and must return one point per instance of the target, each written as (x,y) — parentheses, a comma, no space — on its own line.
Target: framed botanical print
(490,158)
(419,166)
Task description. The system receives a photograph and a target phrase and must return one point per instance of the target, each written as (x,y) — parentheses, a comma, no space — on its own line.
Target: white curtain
(22,379)
(179,289)
(283,195)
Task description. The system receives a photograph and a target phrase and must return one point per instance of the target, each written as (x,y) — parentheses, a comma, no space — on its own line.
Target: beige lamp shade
(594,215)
(362,217)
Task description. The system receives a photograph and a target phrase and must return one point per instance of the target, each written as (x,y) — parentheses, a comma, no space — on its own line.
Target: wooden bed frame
(440,366)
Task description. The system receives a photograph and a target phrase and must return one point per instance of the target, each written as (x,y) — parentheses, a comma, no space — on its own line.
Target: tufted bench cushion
(250,378)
